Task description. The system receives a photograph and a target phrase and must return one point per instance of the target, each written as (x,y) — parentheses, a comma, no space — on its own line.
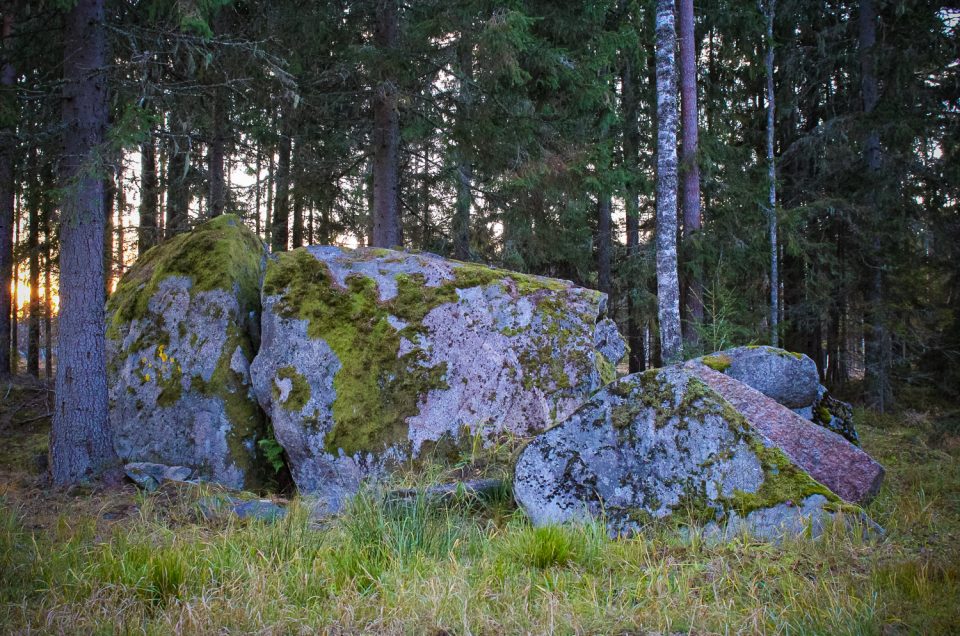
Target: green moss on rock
(299,393)
(717,362)
(377,390)
(219,254)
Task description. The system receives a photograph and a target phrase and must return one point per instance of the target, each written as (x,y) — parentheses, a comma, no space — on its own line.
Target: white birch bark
(668,281)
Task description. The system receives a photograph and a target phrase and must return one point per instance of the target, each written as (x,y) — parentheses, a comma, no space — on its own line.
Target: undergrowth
(416,566)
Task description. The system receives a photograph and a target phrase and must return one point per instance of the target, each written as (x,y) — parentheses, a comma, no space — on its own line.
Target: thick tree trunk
(690,166)
(631,145)
(178,192)
(604,239)
(280,224)
(668,283)
(8,145)
(772,183)
(877,340)
(256,197)
(81,442)
(461,216)
(386,135)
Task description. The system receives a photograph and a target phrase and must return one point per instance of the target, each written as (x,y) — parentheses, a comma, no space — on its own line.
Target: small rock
(213,506)
(150,476)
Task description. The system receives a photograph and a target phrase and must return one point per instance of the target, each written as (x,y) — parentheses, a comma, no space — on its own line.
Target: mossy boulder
(182,330)
(832,414)
(789,378)
(663,444)
(372,357)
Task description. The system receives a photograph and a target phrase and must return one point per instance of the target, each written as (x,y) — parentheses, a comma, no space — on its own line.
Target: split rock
(652,444)
(181,332)
(372,357)
(829,458)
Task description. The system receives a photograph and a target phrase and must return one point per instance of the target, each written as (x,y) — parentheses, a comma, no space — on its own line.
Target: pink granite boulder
(829,458)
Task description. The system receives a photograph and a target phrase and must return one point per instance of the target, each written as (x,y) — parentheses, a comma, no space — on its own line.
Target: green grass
(470,567)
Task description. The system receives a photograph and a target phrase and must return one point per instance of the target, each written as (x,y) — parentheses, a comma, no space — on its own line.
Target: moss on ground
(376,389)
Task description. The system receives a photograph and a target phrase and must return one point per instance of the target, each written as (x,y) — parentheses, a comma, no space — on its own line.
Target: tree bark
(280,224)
(178,192)
(877,340)
(631,145)
(215,155)
(386,135)
(604,239)
(668,284)
(48,212)
(461,217)
(8,145)
(149,193)
(81,441)
(772,184)
(690,166)
(33,258)
(297,194)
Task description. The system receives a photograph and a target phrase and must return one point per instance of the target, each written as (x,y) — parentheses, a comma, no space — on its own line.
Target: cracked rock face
(371,357)
(654,444)
(181,335)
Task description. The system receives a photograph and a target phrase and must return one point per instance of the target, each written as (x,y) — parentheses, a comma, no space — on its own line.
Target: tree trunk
(178,192)
(48,212)
(33,257)
(461,217)
(8,145)
(297,194)
(386,135)
(668,284)
(772,179)
(604,239)
(215,155)
(877,340)
(15,317)
(280,224)
(631,145)
(690,169)
(121,206)
(109,197)
(81,441)
(256,197)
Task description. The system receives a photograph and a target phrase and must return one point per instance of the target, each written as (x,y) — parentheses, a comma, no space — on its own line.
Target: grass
(127,562)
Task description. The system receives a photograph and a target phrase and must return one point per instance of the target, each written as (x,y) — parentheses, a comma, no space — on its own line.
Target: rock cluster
(357,361)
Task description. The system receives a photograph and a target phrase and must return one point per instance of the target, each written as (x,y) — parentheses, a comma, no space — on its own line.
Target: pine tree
(81,443)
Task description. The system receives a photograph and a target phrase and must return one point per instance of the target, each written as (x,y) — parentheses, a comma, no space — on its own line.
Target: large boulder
(829,458)
(371,357)
(789,378)
(656,443)
(181,333)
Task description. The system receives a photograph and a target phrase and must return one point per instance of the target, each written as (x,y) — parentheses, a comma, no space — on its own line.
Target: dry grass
(123,562)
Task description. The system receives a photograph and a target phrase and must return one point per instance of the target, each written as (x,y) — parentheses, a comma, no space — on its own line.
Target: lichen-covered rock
(789,378)
(829,458)
(652,444)
(834,415)
(181,333)
(373,356)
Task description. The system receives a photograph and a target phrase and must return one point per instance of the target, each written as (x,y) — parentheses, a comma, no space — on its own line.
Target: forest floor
(128,562)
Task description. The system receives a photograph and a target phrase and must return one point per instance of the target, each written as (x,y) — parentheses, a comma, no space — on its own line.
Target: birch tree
(692,222)
(772,178)
(668,283)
